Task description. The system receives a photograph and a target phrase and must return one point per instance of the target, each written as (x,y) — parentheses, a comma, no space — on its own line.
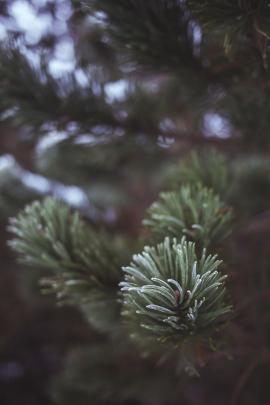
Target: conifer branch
(193,211)
(152,41)
(173,293)
(85,264)
(209,168)
(30,94)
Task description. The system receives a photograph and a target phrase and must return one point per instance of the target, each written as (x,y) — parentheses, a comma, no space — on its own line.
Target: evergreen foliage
(244,18)
(33,95)
(152,41)
(208,168)
(171,292)
(85,264)
(192,211)
(168,289)
(186,141)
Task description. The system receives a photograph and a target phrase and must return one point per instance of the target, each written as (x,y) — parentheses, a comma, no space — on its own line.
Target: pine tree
(167,252)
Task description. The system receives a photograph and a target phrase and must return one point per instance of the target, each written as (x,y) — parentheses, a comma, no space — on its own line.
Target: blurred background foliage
(99,102)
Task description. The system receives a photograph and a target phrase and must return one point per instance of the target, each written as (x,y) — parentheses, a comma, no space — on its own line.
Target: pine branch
(240,23)
(85,264)
(32,96)
(172,293)
(158,39)
(246,106)
(195,212)
(207,167)
(99,158)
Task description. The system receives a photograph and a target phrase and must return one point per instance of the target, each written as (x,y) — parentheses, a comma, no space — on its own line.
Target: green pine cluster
(172,293)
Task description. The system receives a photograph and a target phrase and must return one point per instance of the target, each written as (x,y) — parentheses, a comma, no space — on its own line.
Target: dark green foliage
(182,292)
(32,95)
(238,18)
(85,265)
(229,9)
(192,75)
(152,40)
(94,158)
(247,107)
(209,168)
(242,183)
(193,211)
(48,235)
